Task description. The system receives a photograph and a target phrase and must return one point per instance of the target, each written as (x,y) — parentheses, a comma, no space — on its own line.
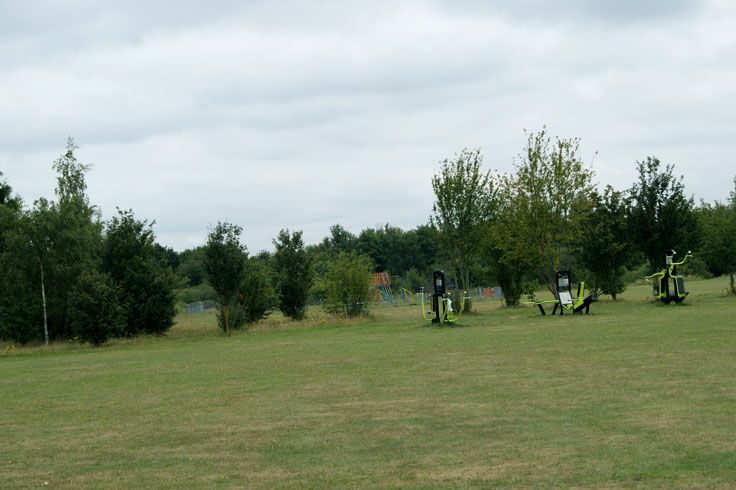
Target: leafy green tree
(605,248)
(422,248)
(167,256)
(71,230)
(661,217)
(20,300)
(224,262)
(538,215)
(257,296)
(552,190)
(395,250)
(339,240)
(144,279)
(6,194)
(293,273)
(48,248)
(413,280)
(464,201)
(191,266)
(718,244)
(10,207)
(95,313)
(504,246)
(347,284)
(38,230)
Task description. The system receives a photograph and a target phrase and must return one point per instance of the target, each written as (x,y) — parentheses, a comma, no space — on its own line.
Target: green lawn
(636,394)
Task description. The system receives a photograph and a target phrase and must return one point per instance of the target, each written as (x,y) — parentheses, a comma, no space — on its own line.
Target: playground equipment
(667,285)
(381,285)
(442,307)
(565,301)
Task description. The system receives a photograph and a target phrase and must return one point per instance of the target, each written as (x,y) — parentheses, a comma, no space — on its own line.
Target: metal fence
(200,307)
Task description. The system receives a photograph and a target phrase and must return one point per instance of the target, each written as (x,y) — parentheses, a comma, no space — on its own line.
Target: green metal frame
(577,305)
(445,314)
(659,280)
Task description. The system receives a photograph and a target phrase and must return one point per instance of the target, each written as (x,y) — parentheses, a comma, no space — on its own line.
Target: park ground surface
(635,394)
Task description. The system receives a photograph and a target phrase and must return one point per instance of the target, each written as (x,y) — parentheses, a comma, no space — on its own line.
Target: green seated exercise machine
(667,285)
(442,308)
(565,301)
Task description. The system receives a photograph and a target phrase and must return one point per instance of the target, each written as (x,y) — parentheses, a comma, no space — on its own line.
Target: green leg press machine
(565,301)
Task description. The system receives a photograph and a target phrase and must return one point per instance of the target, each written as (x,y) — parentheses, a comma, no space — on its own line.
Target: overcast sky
(302,114)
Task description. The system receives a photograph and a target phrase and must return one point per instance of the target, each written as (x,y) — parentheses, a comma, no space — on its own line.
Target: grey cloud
(288,114)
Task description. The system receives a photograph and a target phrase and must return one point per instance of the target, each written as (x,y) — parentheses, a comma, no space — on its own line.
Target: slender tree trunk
(43,298)
(733,287)
(613,295)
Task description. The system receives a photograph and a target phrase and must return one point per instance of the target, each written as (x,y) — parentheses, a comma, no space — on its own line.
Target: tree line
(518,228)
(67,274)
(73,275)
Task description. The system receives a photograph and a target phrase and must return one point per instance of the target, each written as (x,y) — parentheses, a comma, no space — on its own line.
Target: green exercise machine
(442,310)
(565,301)
(667,286)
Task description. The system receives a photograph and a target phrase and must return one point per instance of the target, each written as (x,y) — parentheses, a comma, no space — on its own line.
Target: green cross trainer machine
(442,308)
(565,301)
(667,285)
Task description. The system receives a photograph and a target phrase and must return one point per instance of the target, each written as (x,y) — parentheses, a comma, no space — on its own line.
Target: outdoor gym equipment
(441,303)
(667,285)
(565,301)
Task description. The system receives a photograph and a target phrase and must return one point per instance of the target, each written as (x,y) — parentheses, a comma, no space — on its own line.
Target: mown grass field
(636,394)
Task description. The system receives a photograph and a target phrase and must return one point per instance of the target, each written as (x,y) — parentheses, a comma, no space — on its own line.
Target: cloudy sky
(302,114)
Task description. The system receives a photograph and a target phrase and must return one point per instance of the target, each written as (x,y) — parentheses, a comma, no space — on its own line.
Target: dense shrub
(192,294)
(94,311)
(292,273)
(257,296)
(347,284)
(145,283)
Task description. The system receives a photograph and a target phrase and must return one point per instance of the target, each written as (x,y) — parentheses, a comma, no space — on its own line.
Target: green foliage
(191,266)
(718,244)
(167,256)
(393,249)
(538,215)
(224,264)
(144,279)
(68,237)
(192,294)
(257,296)
(339,240)
(552,191)
(7,198)
(604,247)
(347,284)
(21,310)
(636,275)
(413,280)
(48,248)
(390,248)
(71,184)
(464,201)
(293,273)
(661,216)
(94,311)
(10,207)
(503,247)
